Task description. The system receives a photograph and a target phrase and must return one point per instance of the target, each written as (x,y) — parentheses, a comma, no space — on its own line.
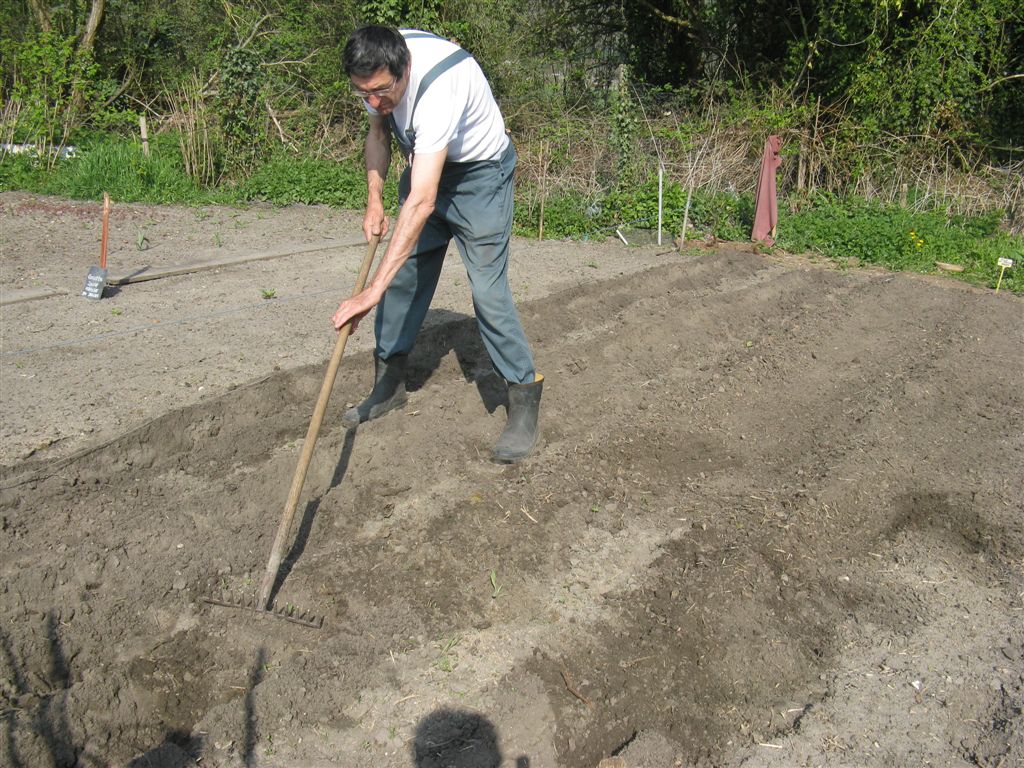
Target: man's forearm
(411,220)
(416,209)
(377,150)
(425,176)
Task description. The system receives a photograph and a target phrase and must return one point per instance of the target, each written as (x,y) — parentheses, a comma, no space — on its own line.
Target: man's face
(381,90)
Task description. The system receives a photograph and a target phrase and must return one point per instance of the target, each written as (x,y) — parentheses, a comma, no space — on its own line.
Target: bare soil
(776,519)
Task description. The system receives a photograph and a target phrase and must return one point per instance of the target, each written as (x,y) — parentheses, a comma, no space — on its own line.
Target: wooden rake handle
(311,435)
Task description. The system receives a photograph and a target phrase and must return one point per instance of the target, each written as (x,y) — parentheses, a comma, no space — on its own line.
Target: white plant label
(1005,262)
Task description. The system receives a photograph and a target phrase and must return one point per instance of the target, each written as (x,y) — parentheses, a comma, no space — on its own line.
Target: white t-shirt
(456,111)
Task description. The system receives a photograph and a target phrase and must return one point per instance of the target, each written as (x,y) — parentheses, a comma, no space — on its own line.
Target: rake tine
(288,612)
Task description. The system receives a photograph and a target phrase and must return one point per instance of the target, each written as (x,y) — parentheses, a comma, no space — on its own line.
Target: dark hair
(374,47)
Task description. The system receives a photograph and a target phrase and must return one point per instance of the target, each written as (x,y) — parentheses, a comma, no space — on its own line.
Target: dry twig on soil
(569,686)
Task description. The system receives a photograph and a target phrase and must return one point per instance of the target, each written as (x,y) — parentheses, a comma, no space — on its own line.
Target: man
(435,100)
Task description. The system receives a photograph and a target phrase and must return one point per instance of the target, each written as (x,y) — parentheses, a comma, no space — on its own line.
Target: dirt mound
(775,521)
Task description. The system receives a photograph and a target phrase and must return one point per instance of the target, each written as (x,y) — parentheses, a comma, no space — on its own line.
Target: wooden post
(145,135)
(543,190)
(105,231)
(661,196)
(686,216)
(801,167)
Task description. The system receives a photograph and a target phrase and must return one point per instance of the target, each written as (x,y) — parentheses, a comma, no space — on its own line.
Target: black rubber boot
(521,432)
(387,394)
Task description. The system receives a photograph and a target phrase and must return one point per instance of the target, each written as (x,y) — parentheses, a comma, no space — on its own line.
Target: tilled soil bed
(776,519)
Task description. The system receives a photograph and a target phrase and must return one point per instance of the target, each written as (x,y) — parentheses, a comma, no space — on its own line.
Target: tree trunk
(92,26)
(41,14)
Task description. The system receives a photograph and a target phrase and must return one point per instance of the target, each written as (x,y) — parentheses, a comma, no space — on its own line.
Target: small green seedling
(268,293)
(141,241)
(218,240)
(592,264)
(446,662)
(116,311)
(495,586)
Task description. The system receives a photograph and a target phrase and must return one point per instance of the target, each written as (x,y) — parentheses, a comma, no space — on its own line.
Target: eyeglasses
(366,95)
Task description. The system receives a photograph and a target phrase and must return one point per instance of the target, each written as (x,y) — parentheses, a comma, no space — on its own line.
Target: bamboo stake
(543,190)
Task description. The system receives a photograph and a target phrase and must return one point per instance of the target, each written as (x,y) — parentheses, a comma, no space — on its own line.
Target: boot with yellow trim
(521,432)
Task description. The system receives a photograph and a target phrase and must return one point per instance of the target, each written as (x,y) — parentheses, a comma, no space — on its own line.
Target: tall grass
(121,168)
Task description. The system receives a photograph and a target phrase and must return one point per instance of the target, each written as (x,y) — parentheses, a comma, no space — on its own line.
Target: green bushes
(287,179)
(901,239)
(22,171)
(849,230)
(566,215)
(51,86)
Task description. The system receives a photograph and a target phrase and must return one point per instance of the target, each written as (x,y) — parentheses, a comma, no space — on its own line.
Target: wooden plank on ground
(28,294)
(141,274)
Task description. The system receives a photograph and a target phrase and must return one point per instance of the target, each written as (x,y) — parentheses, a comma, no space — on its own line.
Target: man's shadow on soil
(444,332)
(50,720)
(455,738)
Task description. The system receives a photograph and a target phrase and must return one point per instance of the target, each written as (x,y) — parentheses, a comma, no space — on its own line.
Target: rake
(262,603)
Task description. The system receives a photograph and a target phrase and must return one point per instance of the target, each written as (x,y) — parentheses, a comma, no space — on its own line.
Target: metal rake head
(288,612)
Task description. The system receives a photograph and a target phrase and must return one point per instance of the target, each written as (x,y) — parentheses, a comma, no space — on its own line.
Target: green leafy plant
(901,239)
(495,586)
(287,179)
(268,293)
(239,107)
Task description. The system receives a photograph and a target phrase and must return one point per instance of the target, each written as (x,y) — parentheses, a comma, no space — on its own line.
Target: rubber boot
(387,394)
(521,432)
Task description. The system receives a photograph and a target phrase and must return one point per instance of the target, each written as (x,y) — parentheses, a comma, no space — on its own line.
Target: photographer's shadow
(456,738)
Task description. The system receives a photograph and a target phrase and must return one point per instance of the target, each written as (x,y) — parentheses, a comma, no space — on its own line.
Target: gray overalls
(474,206)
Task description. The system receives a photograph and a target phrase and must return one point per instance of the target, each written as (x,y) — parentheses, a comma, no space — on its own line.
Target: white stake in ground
(1003,264)
(661,197)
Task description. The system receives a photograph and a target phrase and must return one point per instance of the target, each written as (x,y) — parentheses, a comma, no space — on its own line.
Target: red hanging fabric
(766,213)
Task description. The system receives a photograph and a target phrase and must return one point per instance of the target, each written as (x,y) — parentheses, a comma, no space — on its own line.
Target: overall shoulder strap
(414,35)
(408,143)
(435,72)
